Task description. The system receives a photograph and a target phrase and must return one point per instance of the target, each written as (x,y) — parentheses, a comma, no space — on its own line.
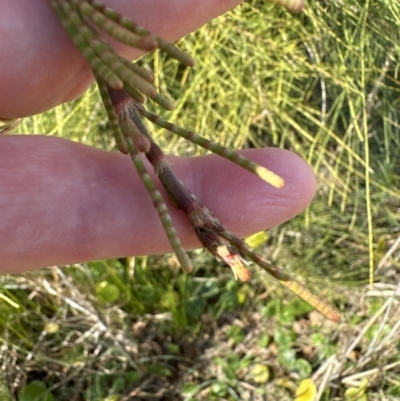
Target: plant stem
(123,88)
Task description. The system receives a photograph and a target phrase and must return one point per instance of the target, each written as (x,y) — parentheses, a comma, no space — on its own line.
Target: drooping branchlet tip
(270,177)
(262,172)
(293,6)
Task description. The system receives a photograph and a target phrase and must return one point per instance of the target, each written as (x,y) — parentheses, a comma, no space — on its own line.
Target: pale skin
(63,202)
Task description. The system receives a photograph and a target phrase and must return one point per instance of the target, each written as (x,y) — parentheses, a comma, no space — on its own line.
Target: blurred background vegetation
(324,84)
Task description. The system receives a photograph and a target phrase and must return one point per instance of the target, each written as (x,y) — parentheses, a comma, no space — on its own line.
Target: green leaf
(318,339)
(287,358)
(160,370)
(173,349)
(283,338)
(297,307)
(133,376)
(113,397)
(219,389)
(34,391)
(381,245)
(5,394)
(357,393)
(272,308)
(264,341)
(260,373)
(236,334)
(119,383)
(107,292)
(302,367)
(189,388)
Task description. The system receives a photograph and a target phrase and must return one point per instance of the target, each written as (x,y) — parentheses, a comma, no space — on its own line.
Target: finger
(62,202)
(40,66)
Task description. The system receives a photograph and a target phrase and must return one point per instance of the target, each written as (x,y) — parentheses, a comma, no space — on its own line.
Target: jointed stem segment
(123,87)
(112,118)
(214,147)
(161,207)
(211,232)
(129,138)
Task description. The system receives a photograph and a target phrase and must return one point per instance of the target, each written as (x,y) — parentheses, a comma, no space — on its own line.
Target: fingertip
(244,202)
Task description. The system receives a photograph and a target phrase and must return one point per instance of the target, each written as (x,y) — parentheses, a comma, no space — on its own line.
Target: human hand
(63,202)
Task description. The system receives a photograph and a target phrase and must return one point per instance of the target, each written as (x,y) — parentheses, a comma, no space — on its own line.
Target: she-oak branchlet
(124,86)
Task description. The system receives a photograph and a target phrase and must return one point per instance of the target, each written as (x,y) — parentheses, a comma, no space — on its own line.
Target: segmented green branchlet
(114,29)
(204,223)
(89,8)
(125,116)
(69,20)
(126,23)
(112,118)
(283,277)
(101,55)
(217,238)
(175,189)
(116,72)
(161,207)
(112,68)
(126,31)
(212,233)
(214,147)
